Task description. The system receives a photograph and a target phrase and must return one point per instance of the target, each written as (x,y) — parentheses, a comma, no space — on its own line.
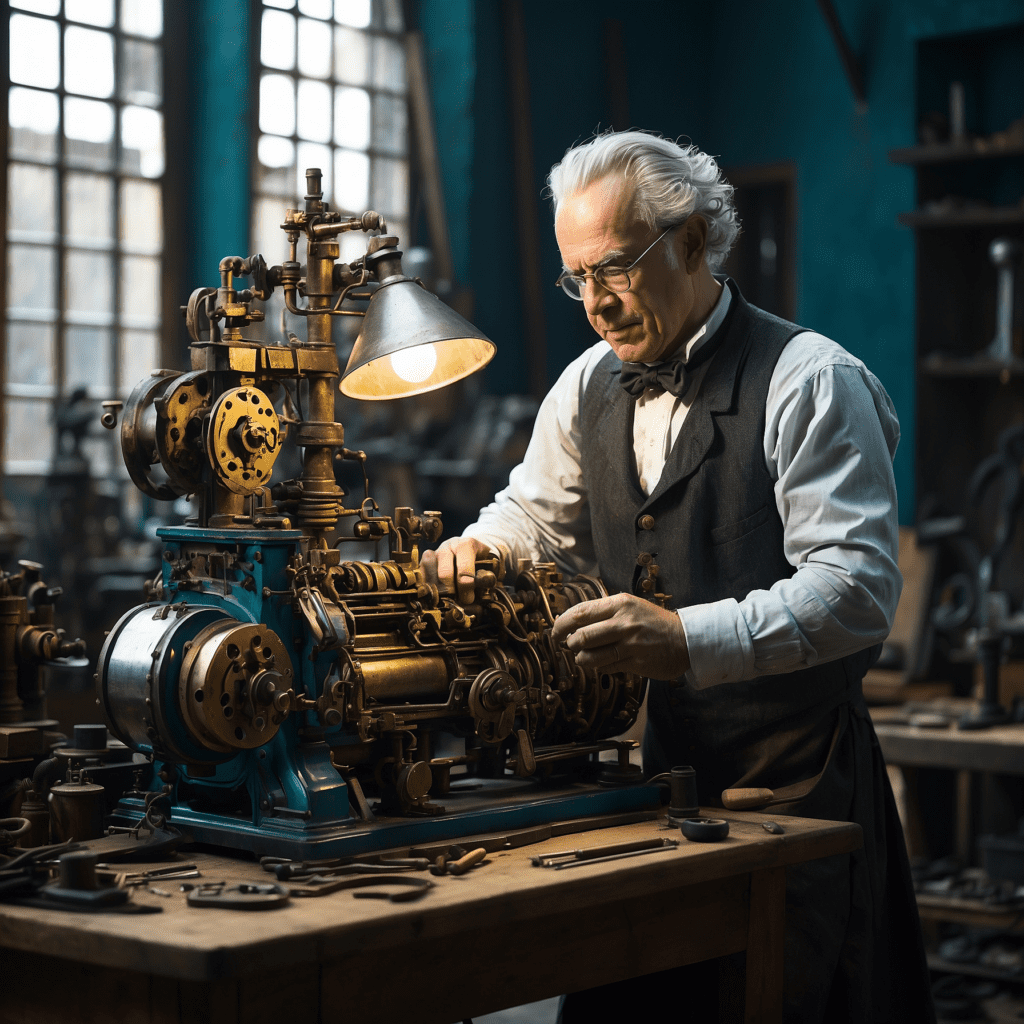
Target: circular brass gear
(179,430)
(494,699)
(244,439)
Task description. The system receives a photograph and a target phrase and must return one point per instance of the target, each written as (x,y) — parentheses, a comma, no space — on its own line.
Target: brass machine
(277,686)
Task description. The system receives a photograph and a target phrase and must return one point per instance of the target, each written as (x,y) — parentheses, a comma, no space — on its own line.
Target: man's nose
(596,297)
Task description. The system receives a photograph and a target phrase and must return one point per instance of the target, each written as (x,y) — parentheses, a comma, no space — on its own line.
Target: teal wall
(217,138)
(747,81)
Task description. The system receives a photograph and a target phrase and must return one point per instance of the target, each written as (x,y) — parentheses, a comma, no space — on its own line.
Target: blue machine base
(498,805)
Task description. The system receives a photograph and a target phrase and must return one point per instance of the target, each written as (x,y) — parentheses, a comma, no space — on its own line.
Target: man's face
(598,226)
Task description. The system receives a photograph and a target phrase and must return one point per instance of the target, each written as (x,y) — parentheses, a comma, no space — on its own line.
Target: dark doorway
(763,259)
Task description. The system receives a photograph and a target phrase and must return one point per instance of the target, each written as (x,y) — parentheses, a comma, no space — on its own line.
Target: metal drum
(137,675)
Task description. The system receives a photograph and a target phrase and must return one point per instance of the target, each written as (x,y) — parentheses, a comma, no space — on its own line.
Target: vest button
(644,558)
(646,522)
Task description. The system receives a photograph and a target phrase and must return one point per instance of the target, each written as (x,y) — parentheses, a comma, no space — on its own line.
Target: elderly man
(729,476)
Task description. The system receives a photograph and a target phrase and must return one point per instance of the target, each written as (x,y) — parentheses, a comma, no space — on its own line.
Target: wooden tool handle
(463,864)
(742,799)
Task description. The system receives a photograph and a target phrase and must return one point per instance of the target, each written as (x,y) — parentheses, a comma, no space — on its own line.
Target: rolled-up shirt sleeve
(543,513)
(831,433)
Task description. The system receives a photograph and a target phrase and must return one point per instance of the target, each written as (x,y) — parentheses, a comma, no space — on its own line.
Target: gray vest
(713,531)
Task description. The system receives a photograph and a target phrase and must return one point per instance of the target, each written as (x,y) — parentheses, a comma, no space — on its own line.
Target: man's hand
(624,633)
(454,562)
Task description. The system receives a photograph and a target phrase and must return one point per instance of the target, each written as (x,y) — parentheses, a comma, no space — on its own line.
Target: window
(84,212)
(332,94)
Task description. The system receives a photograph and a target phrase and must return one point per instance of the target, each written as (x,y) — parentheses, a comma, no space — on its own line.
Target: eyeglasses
(613,279)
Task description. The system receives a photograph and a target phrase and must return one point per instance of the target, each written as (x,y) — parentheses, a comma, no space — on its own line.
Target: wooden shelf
(946,153)
(977,217)
(940,365)
(961,910)
(937,963)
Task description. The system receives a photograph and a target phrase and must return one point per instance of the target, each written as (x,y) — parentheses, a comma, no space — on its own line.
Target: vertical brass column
(319,434)
(13,613)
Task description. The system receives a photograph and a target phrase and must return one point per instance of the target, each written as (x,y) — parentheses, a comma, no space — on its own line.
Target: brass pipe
(13,612)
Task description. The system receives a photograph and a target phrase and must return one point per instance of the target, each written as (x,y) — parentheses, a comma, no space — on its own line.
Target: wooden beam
(428,161)
(534,331)
(850,63)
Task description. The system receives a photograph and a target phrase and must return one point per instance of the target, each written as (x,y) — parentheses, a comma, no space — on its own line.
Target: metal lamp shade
(431,344)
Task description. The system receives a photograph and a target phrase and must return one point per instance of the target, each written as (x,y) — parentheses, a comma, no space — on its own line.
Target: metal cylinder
(38,815)
(78,870)
(76,811)
(411,676)
(683,792)
(13,612)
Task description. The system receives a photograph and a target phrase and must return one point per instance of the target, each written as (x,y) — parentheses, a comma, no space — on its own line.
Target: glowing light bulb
(414,365)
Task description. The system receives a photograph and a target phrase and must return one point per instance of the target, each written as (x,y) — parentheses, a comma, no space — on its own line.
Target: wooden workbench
(504,934)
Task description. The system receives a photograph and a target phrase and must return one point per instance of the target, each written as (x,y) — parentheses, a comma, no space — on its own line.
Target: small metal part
(159,892)
(670,844)
(773,826)
(704,830)
(244,896)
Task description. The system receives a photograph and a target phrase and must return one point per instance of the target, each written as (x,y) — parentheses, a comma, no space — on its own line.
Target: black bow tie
(674,375)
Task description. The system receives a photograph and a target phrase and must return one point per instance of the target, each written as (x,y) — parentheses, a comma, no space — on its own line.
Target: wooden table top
(999,749)
(195,943)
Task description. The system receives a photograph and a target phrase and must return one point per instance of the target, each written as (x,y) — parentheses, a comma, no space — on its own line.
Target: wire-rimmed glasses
(612,278)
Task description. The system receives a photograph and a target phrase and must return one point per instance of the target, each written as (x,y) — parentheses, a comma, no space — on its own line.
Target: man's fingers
(605,656)
(583,614)
(465,568)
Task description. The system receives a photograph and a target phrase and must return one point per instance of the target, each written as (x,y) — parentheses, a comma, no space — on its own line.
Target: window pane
(140,72)
(277,40)
(390,116)
(285,5)
(351,56)
(388,64)
(352,174)
(38,6)
(267,236)
(31,208)
(277,105)
(352,12)
(139,356)
(142,141)
(390,186)
(312,155)
(34,49)
(315,8)
(88,208)
(314,111)
(314,48)
(31,354)
(142,18)
(87,358)
(89,128)
(140,291)
(391,17)
(141,215)
(33,120)
(88,284)
(30,278)
(353,243)
(92,12)
(29,430)
(88,61)
(352,118)
(275,172)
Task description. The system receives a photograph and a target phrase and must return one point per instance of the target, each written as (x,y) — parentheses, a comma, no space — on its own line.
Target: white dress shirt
(830,436)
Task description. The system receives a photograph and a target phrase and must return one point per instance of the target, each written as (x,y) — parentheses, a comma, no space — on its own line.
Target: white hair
(669,182)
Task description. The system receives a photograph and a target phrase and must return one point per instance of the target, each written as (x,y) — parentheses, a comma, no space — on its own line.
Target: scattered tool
(129,878)
(744,799)
(599,854)
(322,885)
(287,869)
(773,826)
(442,860)
(469,860)
(244,896)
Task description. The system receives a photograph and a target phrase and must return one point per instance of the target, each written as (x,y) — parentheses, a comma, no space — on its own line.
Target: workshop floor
(544,1012)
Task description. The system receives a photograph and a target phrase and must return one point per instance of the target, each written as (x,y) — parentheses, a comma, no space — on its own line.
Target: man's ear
(693,236)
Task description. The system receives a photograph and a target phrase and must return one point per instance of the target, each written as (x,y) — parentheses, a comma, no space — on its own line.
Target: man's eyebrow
(608,258)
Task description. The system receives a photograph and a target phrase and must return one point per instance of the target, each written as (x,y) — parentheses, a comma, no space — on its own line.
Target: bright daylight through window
(84,212)
(332,95)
